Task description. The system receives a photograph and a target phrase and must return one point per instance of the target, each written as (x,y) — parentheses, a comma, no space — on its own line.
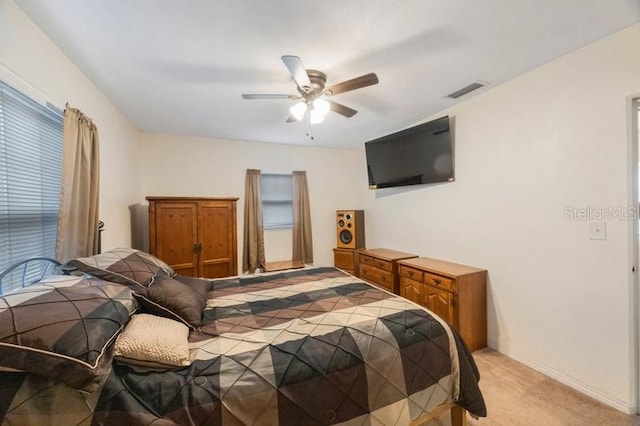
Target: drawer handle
(410,273)
(438,281)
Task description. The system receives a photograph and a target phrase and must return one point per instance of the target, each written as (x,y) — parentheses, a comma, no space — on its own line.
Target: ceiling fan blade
(259,96)
(353,84)
(297,71)
(291,119)
(341,109)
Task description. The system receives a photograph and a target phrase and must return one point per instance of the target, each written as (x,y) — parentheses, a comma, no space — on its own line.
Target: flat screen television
(417,155)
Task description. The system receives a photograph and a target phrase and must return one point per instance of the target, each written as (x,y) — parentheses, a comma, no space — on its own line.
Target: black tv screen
(417,155)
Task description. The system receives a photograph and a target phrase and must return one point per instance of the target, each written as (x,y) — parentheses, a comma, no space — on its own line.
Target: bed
(125,340)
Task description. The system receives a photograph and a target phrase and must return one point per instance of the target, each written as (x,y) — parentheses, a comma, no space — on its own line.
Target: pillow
(124,266)
(63,328)
(169,298)
(153,341)
(199,286)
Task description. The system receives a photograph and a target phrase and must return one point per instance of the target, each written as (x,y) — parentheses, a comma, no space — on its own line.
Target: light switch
(597,230)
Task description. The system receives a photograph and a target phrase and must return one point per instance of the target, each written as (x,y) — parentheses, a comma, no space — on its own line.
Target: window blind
(30,174)
(277,201)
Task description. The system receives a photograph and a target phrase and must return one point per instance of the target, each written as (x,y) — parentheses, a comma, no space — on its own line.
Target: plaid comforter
(311,346)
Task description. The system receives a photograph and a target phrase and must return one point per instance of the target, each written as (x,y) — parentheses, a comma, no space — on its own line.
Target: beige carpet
(516,395)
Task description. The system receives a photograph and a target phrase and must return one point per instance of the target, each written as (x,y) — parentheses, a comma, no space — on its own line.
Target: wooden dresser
(380,267)
(196,236)
(456,293)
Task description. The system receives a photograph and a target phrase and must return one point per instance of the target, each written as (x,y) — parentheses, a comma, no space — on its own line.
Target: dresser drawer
(377,276)
(411,273)
(439,281)
(376,263)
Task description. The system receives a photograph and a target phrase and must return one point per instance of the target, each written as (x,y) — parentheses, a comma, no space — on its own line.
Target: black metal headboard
(27,272)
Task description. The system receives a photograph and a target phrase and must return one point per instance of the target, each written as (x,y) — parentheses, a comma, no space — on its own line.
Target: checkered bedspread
(305,347)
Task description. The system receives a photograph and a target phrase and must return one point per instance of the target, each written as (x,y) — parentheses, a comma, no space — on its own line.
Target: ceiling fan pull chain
(308,123)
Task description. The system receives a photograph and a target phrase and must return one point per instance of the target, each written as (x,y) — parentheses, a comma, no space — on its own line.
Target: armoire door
(176,235)
(217,239)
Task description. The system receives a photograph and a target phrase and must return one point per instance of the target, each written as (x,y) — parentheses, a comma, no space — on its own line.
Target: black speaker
(350,229)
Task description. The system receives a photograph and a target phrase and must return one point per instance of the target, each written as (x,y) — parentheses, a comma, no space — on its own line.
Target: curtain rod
(42,97)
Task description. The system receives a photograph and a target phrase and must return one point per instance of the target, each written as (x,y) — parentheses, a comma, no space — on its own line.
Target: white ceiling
(179,67)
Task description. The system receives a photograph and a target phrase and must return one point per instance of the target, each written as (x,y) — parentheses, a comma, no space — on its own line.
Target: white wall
(524,151)
(184,166)
(32,63)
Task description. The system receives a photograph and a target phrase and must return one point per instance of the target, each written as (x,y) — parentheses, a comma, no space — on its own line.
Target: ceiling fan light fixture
(316,117)
(321,106)
(298,109)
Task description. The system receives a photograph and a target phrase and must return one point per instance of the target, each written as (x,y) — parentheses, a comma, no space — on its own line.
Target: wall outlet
(597,230)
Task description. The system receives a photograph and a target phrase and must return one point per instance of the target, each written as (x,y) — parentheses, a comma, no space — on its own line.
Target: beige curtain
(253,250)
(78,214)
(302,241)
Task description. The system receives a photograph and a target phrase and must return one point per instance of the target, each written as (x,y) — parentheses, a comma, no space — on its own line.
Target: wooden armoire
(196,236)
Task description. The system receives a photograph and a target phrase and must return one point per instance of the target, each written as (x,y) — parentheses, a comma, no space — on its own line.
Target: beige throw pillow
(153,341)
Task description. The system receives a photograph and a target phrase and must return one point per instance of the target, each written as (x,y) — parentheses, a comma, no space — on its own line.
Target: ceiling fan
(313,93)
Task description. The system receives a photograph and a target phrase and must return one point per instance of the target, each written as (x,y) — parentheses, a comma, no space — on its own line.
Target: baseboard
(618,404)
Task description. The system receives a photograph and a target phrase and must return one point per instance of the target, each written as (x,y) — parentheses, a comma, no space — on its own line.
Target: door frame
(633,111)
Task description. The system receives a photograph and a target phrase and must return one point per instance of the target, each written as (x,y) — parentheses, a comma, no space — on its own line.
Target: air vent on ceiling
(465,90)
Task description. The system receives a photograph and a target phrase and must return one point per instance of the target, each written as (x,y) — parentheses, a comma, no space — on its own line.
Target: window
(277,201)
(30,173)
